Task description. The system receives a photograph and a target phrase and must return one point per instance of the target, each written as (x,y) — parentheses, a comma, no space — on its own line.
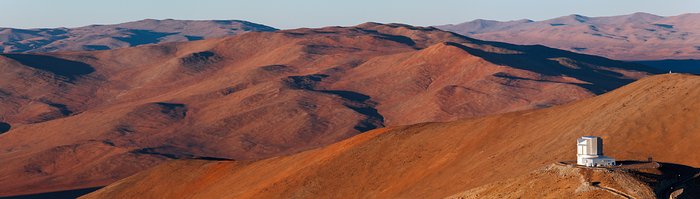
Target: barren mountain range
(498,156)
(83,119)
(638,36)
(103,37)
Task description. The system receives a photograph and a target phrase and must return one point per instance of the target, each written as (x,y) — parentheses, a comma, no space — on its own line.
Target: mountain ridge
(637,36)
(111,36)
(436,160)
(129,109)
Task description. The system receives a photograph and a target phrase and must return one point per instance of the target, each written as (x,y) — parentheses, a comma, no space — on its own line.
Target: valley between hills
(234,109)
(464,158)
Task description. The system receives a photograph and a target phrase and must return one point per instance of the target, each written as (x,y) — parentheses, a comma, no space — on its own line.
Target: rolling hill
(104,37)
(654,116)
(74,120)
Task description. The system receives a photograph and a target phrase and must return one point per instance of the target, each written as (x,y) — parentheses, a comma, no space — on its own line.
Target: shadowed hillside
(654,116)
(86,119)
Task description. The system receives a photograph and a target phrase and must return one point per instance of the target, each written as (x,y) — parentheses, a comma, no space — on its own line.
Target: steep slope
(103,37)
(638,36)
(84,119)
(654,116)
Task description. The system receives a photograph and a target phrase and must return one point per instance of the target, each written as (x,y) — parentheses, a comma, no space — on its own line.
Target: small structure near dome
(590,152)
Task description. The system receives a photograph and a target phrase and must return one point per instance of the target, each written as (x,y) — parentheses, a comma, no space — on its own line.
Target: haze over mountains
(638,36)
(85,119)
(103,37)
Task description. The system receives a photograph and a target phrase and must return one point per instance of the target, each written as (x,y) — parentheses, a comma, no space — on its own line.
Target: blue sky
(319,13)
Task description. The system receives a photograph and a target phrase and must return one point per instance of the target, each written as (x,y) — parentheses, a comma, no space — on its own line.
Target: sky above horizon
(320,13)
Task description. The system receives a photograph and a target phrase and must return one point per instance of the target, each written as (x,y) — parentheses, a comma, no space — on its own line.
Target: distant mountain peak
(634,36)
(644,14)
(576,17)
(481,25)
(524,20)
(638,17)
(102,37)
(483,20)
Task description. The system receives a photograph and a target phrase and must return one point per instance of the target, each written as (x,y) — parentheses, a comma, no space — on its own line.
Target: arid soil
(567,181)
(85,119)
(654,116)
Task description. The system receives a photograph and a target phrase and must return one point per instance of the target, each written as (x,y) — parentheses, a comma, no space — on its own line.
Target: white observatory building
(590,152)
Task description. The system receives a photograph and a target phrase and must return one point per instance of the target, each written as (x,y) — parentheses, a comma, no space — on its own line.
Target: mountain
(655,116)
(103,37)
(84,119)
(638,36)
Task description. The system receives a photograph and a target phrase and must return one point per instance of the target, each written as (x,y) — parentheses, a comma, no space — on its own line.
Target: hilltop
(135,33)
(89,118)
(654,116)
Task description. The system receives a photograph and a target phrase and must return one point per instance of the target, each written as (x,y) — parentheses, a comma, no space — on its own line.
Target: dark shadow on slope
(171,152)
(358,102)
(398,39)
(58,111)
(62,108)
(148,118)
(193,38)
(4,127)
(352,96)
(677,176)
(167,152)
(395,38)
(361,104)
(691,66)
(248,26)
(67,194)
(95,47)
(199,61)
(664,25)
(198,57)
(539,59)
(141,37)
(307,82)
(667,178)
(544,52)
(691,189)
(173,112)
(171,108)
(61,67)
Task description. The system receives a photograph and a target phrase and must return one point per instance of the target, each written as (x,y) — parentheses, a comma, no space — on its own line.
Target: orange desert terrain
(655,116)
(73,120)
